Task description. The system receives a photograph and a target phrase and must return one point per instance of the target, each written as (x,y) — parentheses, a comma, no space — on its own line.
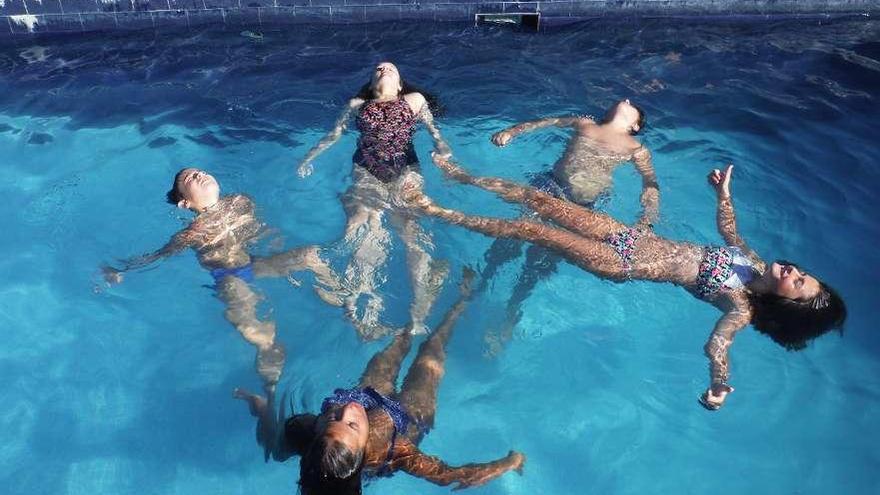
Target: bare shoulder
(355,102)
(188,236)
(415,100)
(638,150)
(239,198)
(735,303)
(584,124)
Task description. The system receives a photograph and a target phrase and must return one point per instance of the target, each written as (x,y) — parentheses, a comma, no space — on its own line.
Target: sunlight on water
(128,389)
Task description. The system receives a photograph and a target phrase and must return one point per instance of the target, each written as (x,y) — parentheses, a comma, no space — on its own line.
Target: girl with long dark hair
(779,299)
(387,111)
(372,429)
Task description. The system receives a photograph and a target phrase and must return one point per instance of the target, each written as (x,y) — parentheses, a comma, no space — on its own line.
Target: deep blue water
(128,389)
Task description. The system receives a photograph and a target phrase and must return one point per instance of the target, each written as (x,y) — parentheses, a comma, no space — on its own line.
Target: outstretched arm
(178,243)
(306,168)
(650,197)
(725,217)
(737,317)
(424,113)
(503,137)
(432,469)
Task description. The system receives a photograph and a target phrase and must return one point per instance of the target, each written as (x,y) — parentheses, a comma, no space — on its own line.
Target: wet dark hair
(329,467)
(366,93)
(794,323)
(643,121)
(299,432)
(173,195)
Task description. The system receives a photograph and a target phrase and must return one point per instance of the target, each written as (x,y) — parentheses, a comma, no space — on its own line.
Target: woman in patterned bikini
(385,161)
(372,430)
(779,299)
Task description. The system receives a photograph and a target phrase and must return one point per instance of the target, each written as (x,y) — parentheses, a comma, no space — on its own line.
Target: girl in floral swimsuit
(371,429)
(384,162)
(780,300)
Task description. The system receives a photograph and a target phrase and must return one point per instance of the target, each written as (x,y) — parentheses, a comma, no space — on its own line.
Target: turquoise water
(128,389)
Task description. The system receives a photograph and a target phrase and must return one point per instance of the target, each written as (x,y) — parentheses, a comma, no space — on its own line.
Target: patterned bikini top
(723,268)
(385,145)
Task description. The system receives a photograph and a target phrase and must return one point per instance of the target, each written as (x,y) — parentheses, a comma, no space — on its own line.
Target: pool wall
(29,17)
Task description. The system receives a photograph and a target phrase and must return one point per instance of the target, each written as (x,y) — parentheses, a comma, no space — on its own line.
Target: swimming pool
(128,389)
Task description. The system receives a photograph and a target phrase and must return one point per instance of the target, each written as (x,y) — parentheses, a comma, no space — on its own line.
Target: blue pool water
(128,389)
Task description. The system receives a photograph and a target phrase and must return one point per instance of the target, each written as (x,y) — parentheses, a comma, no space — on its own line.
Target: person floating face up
(221,233)
(373,430)
(778,299)
(386,110)
(582,175)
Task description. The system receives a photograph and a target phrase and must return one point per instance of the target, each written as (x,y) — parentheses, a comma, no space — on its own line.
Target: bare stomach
(224,258)
(585,171)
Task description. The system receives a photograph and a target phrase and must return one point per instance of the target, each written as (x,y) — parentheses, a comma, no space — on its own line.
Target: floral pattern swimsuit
(385,146)
(723,268)
(624,244)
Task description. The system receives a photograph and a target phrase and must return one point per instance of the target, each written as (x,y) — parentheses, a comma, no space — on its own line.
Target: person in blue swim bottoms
(221,233)
(371,430)
(583,175)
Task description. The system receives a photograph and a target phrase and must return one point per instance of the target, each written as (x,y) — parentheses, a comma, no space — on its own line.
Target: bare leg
(426,275)
(539,264)
(500,252)
(371,243)
(241,310)
(263,409)
(592,255)
(576,218)
(419,391)
(305,258)
(382,370)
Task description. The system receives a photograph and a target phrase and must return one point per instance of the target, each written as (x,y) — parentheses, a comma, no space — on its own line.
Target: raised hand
(720,181)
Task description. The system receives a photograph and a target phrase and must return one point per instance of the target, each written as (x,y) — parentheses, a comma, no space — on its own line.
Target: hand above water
(502,138)
(713,398)
(720,181)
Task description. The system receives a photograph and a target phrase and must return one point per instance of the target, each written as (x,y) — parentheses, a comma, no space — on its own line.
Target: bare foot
(412,195)
(446,165)
(333,297)
(270,363)
(372,331)
(256,403)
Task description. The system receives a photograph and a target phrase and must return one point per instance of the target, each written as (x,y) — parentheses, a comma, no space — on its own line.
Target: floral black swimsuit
(385,146)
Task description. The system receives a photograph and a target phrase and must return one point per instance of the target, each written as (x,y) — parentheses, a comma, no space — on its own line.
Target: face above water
(790,282)
(198,188)
(626,113)
(347,425)
(386,75)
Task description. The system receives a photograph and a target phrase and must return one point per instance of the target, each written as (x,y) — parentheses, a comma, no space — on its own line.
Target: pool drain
(528,21)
